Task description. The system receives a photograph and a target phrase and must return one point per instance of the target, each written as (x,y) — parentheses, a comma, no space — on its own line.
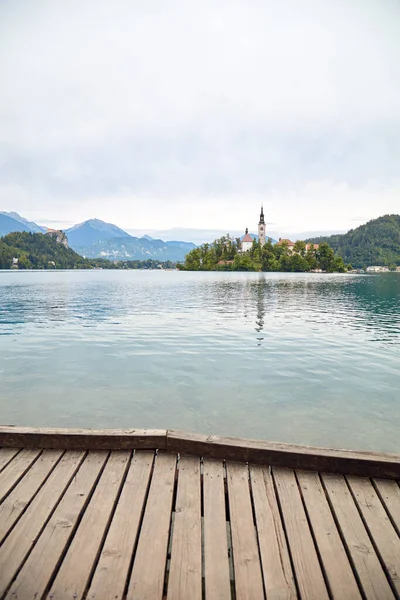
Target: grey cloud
(171,167)
(179,99)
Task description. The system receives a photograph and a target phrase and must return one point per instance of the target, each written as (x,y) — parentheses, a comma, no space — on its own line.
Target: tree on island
(225,254)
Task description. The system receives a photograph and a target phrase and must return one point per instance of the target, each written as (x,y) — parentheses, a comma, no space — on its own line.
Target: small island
(262,254)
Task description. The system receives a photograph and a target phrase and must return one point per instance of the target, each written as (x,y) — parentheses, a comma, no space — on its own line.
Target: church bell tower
(261,228)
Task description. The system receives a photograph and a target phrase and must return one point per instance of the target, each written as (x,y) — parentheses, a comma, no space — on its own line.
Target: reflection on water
(297,357)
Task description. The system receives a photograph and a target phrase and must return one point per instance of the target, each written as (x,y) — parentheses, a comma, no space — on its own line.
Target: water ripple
(300,358)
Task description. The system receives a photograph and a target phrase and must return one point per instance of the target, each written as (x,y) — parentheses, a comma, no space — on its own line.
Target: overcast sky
(153,114)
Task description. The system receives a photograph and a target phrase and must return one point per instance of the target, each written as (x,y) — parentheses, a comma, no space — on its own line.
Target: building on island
(247,241)
(261,228)
(290,245)
(287,242)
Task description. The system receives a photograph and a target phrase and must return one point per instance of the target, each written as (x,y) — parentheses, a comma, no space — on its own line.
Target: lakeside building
(377,269)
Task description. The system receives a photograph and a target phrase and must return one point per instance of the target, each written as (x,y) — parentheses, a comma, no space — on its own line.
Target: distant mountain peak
(12,221)
(98,224)
(93,231)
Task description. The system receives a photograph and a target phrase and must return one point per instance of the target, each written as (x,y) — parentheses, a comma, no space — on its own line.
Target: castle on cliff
(58,236)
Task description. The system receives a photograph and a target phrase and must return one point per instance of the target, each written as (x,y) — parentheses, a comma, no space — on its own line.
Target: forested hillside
(38,251)
(375,243)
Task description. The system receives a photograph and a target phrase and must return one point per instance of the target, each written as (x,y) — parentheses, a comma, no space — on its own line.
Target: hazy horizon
(190,115)
(197,236)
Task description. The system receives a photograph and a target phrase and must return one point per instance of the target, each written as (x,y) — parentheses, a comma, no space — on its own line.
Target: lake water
(304,358)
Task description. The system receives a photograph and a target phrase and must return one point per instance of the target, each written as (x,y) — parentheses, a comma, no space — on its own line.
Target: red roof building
(247,241)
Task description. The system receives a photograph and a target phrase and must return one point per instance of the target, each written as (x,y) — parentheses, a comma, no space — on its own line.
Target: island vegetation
(225,254)
(24,250)
(375,243)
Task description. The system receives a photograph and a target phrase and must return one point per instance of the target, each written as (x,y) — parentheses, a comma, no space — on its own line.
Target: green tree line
(224,254)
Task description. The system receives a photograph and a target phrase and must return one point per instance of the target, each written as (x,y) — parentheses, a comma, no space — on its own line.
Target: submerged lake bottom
(300,358)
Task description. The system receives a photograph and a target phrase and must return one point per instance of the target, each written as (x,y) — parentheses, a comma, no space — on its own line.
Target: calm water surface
(312,359)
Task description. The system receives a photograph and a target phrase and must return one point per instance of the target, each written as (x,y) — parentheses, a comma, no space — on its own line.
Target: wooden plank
(285,455)
(21,539)
(41,564)
(227,448)
(376,520)
(246,560)
(15,470)
(366,563)
(77,567)
(82,439)
(147,579)
(275,560)
(216,561)
(305,561)
(113,566)
(16,502)
(389,493)
(185,577)
(6,456)
(339,573)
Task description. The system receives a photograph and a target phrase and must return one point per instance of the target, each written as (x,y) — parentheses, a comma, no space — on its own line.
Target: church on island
(247,240)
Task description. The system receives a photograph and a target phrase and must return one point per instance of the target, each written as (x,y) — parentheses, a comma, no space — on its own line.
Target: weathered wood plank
(304,556)
(6,456)
(185,577)
(22,494)
(378,523)
(216,561)
(389,493)
(278,575)
(21,539)
(113,566)
(226,448)
(36,573)
(82,439)
(15,470)
(75,571)
(370,573)
(339,573)
(147,579)
(284,455)
(246,559)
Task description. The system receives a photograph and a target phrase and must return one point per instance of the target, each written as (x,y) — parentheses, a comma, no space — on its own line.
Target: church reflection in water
(261,288)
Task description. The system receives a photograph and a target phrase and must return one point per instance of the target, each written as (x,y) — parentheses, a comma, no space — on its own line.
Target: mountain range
(97,239)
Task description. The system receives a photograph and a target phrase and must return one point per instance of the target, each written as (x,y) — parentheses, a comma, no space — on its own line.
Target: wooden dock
(148,515)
